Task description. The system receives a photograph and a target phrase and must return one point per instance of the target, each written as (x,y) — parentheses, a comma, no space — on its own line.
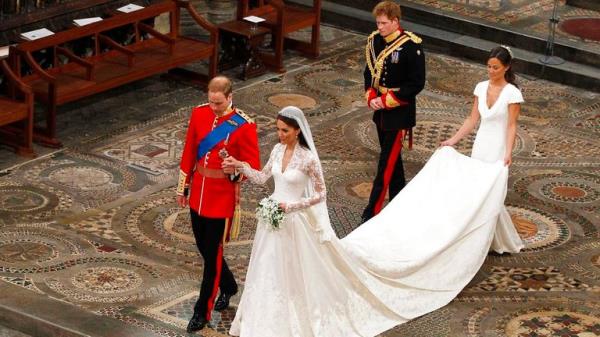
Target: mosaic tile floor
(522,16)
(96,224)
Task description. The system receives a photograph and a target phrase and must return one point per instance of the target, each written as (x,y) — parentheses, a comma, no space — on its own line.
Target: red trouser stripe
(219,266)
(389,170)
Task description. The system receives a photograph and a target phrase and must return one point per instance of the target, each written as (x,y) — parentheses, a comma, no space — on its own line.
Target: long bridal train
(412,258)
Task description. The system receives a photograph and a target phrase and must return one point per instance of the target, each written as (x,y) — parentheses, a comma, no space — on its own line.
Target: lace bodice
(291,184)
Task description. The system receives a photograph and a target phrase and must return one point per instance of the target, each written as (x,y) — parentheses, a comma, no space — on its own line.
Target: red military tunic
(212,196)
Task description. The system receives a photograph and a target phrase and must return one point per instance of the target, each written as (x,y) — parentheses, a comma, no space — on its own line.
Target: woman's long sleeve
(314,172)
(259,177)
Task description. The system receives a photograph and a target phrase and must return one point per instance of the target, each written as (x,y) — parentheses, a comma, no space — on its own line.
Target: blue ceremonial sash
(219,133)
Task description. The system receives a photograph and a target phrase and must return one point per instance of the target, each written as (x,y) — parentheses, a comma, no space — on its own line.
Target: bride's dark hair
(503,54)
(292,122)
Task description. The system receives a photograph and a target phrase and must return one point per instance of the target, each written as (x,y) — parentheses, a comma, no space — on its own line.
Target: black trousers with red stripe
(209,240)
(390,171)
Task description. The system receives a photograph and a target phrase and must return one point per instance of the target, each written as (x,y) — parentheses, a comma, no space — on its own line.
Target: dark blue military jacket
(395,71)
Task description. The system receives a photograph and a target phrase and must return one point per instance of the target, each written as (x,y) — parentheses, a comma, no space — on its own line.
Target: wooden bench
(282,19)
(111,64)
(16,113)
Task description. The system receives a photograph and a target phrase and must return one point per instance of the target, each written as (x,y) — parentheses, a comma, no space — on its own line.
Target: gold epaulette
(373,34)
(414,37)
(244,115)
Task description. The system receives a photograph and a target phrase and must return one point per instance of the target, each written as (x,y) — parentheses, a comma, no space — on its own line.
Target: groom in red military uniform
(394,75)
(216,130)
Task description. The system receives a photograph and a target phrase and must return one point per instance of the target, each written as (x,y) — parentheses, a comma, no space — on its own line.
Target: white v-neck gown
(490,146)
(412,258)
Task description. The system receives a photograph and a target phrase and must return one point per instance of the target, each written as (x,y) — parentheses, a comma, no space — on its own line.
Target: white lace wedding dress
(412,258)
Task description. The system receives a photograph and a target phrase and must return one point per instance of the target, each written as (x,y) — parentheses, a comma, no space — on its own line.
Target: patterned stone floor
(523,16)
(95,224)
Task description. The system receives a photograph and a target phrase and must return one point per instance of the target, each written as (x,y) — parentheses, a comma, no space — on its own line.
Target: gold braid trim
(370,54)
(383,55)
(416,39)
(390,100)
(181,184)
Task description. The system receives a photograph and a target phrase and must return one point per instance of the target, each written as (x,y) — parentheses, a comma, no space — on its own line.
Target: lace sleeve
(259,177)
(313,170)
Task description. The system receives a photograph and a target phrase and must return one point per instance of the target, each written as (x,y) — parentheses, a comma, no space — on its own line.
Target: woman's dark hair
(292,122)
(504,56)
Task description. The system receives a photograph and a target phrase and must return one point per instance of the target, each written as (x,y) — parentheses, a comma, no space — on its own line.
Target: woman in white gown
(497,102)
(412,258)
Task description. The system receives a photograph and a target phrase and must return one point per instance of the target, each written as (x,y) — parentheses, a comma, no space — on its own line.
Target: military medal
(223,152)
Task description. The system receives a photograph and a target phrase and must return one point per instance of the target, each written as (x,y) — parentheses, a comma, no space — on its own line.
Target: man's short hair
(387,8)
(220,83)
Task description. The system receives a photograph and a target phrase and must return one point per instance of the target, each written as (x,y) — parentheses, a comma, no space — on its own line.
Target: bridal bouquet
(268,210)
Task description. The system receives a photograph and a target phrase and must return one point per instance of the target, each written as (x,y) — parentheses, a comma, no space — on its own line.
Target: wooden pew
(16,113)
(282,19)
(119,65)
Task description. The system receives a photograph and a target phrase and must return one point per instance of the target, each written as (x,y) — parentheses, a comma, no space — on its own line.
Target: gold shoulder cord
(370,54)
(414,37)
(384,54)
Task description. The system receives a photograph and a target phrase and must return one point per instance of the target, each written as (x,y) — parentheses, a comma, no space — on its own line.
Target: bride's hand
(508,160)
(282,206)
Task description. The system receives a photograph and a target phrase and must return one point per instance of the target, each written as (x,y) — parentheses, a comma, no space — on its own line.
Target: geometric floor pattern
(522,16)
(96,223)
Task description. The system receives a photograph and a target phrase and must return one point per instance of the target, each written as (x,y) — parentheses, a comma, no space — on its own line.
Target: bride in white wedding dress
(412,258)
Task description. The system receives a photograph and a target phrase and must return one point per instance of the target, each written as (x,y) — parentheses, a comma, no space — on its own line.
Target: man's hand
(182,201)
(228,170)
(231,162)
(376,104)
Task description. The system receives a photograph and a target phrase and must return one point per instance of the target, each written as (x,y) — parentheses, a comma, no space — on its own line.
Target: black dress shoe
(223,302)
(196,323)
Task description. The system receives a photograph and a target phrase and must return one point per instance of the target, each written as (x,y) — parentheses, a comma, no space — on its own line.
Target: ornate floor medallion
(26,251)
(570,192)
(553,323)
(106,280)
(176,225)
(567,188)
(35,250)
(300,101)
(82,177)
(17,199)
(539,231)
(153,223)
(529,279)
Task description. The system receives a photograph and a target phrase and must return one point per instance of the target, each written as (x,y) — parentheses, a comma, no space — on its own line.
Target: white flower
(270,213)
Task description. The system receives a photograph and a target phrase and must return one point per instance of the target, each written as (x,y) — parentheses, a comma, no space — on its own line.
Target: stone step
(39,315)
(479,28)
(566,49)
(466,46)
(6,332)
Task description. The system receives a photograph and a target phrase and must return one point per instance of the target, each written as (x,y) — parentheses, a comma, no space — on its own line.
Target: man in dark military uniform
(394,75)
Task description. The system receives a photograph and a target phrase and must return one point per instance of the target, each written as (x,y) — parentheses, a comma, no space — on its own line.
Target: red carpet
(586,28)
